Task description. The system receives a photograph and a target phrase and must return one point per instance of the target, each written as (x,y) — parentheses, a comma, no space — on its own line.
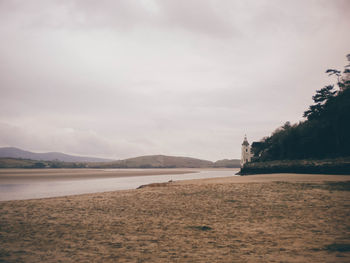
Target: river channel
(23,187)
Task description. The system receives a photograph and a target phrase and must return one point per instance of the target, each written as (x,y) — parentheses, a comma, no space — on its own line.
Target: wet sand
(259,218)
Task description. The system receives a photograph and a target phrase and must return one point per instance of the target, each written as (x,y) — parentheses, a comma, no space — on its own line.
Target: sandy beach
(259,218)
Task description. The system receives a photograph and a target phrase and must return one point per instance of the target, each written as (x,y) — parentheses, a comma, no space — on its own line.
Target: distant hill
(12,152)
(163,161)
(11,157)
(156,161)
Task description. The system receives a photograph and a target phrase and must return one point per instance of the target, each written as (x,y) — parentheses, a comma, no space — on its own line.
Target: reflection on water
(42,189)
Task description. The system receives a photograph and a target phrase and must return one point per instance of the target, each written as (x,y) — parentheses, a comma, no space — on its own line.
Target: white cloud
(126,78)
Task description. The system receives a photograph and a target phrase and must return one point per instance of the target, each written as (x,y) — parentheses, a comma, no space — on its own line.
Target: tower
(246,152)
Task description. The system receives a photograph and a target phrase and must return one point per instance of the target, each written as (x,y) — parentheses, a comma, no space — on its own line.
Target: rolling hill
(156,161)
(11,157)
(12,152)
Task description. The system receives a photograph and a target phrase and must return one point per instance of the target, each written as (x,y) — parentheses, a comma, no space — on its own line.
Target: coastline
(12,175)
(261,218)
(24,185)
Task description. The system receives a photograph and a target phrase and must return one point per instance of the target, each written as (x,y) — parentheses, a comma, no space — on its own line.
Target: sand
(260,218)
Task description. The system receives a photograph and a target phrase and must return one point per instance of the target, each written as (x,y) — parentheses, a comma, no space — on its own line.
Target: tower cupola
(246,152)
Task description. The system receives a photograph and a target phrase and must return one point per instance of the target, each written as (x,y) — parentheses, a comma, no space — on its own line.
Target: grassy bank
(327,166)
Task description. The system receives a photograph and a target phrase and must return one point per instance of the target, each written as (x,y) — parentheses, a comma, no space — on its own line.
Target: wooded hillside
(324,134)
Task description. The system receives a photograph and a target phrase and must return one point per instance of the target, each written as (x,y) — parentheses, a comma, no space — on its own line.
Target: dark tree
(320,98)
(324,134)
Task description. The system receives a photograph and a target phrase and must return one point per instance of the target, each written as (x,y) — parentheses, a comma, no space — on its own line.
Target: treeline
(324,134)
(339,165)
(35,164)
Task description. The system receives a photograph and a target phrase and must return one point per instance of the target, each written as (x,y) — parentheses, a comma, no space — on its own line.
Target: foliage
(310,166)
(321,98)
(325,132)
(26,163)
(39,165)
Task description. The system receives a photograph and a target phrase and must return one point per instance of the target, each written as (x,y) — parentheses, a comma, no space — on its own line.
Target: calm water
(42,189)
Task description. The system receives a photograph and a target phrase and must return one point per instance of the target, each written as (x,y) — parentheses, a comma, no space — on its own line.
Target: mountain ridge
(158,161)
(146,161)
(14,152)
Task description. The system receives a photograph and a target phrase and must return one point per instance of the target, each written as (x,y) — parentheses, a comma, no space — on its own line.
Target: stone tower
(246,152)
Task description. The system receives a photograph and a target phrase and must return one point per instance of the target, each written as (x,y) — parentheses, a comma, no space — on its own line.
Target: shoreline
(248,179)
(14,175)
(24,185)
(258,218)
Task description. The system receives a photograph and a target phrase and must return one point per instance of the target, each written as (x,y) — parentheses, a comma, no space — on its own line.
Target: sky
(125,78)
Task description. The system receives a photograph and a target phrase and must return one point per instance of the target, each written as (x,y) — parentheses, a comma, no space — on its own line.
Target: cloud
(200,17)
(126,78)
(69,140)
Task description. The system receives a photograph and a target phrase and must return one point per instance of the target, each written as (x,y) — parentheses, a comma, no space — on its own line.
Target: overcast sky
(127,78)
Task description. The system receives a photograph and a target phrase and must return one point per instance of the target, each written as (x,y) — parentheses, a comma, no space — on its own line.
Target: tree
(321,98)
(325,133)
(343,79)
(287,125)
(345,83)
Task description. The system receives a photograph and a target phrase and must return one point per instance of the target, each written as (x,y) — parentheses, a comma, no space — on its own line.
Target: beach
(258,218)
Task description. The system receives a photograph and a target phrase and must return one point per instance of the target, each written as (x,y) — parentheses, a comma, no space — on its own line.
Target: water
(23,189)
